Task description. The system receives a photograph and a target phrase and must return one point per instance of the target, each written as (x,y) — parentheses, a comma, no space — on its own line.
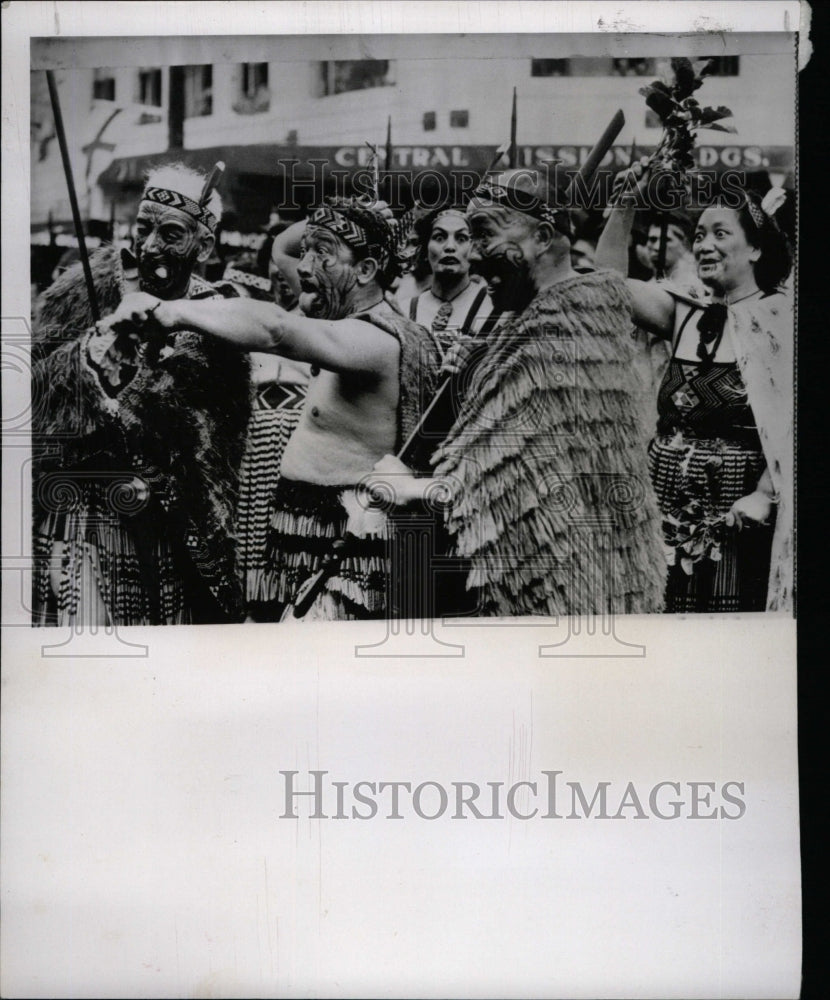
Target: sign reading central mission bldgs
(460,157)
(273,160)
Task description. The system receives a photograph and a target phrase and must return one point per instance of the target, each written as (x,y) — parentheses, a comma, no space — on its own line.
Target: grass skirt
(306,519)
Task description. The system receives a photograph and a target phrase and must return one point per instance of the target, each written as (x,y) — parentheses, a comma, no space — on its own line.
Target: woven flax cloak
(554,506)
(182,418)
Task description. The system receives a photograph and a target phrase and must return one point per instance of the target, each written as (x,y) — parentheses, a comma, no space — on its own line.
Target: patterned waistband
(740,441)
(275,396)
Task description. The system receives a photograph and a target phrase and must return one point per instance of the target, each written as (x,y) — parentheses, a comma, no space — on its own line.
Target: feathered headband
(197,210)
(770,203)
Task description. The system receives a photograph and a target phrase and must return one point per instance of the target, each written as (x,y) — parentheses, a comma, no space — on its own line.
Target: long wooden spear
(514,149)
(387,167)
(73,198)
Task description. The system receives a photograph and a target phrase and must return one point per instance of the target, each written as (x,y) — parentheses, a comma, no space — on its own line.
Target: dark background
(813,458)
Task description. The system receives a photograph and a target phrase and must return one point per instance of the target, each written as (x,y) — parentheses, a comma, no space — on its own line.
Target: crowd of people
(571,434)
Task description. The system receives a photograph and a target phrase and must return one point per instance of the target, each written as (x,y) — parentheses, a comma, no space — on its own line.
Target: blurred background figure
(587,225)
(679,264)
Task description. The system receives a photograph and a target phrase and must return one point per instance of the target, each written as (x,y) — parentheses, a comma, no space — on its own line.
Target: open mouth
(308,286)
(448,260)
(154,273)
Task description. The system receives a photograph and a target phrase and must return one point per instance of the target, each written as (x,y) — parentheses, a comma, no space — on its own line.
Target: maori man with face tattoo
(551,499)
(371,370)
(138,443)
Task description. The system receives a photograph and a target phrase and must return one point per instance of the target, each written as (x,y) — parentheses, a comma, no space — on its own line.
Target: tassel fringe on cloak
(554,505)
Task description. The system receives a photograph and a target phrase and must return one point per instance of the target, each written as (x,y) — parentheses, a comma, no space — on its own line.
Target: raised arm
(250,325)
(653,307)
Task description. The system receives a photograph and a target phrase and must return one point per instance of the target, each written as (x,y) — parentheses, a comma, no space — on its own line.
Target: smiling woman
(721,462)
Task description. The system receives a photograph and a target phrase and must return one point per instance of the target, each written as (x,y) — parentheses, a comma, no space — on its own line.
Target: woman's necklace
(455,295)
(442,318)
(732,302)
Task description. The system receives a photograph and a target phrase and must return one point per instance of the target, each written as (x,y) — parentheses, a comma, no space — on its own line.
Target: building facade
(449,102)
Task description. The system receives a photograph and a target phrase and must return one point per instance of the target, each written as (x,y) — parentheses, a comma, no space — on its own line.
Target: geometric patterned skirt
(276,412)
(92,567)
(696,481)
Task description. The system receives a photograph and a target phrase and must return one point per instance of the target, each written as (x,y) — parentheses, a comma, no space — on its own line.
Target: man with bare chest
(371,370)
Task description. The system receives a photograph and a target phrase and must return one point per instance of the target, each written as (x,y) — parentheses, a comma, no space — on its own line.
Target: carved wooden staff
(595,157)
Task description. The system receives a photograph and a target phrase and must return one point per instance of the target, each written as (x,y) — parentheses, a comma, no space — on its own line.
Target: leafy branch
(681,115)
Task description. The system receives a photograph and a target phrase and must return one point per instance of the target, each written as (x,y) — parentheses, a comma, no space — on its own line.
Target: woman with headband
(454,304)
(722,459)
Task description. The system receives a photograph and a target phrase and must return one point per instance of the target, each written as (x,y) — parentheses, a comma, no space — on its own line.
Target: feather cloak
(762,332)
(179,423)
(553,501)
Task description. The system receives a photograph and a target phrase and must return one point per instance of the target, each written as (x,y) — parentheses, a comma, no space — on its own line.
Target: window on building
(459,119)
(429,121)
(577,66)
(633,67)
(254,77)
(629,66)
(550,67)
(103,85)
(198,91)
(337,76)
(253,93)
(725,66)
(148,87)
(718,65)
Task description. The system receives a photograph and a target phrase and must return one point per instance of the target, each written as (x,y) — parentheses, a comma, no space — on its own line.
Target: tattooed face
(502,243)
(167,245)
(327,273)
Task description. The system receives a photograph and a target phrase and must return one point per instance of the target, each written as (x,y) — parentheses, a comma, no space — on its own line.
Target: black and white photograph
(431,372)
(425,334)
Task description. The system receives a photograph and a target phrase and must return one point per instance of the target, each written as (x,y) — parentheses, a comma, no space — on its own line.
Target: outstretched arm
(344,345)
